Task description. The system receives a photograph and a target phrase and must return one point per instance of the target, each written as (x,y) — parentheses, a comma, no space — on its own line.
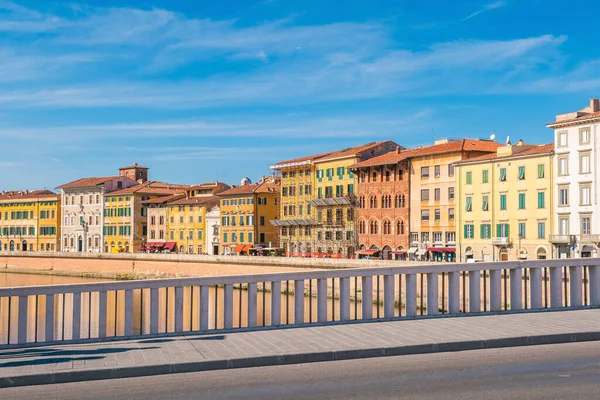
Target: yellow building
(247,212)
(29,221)
(318,205)
(432,196)
(125,222)
(505,204)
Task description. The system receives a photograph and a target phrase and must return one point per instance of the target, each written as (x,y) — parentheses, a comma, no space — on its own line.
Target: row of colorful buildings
(454,200)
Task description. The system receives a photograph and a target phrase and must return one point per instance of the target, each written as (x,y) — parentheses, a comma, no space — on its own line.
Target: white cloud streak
(489,7)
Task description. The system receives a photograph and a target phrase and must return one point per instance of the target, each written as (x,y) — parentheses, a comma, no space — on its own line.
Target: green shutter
(465,232)
(498,230)
(484,177)
(469,178)
(521,173)
(503,174)
(521,201)
(541,200)
(541,171)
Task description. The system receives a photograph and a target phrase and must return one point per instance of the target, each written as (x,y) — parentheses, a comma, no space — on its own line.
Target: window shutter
(465,232)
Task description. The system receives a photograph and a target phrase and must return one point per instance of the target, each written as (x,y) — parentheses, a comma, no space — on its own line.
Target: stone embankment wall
(170,265)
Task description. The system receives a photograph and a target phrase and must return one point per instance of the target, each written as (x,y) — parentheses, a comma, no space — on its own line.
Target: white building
(577,217)
(82,210)
(213,226)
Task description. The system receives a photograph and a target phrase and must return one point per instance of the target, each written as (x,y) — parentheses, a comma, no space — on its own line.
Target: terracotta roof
(265,187)
(151,188)
(583,117)
(207,185)
(85,182)
(352,151)
(28,195)
(539,149)
(450,147)
(208,201)
(133,166)
(164,199)
(306,158)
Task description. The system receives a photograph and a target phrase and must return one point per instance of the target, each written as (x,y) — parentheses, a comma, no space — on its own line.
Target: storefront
(442,254)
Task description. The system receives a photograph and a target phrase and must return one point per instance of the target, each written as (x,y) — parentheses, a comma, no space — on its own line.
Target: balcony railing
(590,238)
(500,241)
(561,239)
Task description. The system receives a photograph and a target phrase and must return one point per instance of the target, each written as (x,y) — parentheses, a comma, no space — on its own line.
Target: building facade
(213,230)
(576,230)
(187,223)
(383,196)
(432,200)
(29,221)
(247,212)
(504,204)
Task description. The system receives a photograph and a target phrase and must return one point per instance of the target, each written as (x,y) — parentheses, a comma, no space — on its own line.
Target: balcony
(590,238)
(561,239)
(500,241)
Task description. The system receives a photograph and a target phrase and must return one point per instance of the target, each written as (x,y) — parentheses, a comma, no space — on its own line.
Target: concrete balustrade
(156,307)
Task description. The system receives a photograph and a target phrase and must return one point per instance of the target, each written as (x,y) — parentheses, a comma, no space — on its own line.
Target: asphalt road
(565,371)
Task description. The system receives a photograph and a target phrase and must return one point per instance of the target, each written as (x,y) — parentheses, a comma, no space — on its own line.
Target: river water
(141,308)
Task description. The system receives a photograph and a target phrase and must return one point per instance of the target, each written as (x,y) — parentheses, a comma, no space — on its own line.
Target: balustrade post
(252,297)
(516,288)
(496,290)
(299,301)
(228,307)
(322,300)
(275,303)
(388,296)
(556,279)
(76,326)
(344,299)
(454,292)
(367,297)
(575,286)
(49,331)
(594,285)
(204,296)
(474,291)
(432,294)
(128,312)
(154,311)
(411,295)
(536,287)
(178,309)
(102,298)
(22,320)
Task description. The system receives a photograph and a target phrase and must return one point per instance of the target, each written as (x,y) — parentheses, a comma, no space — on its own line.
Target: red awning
(442,249)
(399,252)
(239,248)
(170,246)
(154,244)
(369,252)
(247,247)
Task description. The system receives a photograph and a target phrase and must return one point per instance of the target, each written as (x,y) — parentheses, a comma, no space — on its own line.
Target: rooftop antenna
(507,140)
(493,135)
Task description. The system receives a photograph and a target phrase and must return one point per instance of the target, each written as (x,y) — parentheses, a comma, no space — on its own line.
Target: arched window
(373,201)
(361,202)
(361,227)
(387,201)
(402,201)
(400,228)
(373,228)
(387,227)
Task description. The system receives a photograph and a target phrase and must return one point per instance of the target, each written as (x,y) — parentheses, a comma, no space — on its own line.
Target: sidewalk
(153,356)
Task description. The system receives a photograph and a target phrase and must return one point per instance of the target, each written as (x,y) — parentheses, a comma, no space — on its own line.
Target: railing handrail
(292,276)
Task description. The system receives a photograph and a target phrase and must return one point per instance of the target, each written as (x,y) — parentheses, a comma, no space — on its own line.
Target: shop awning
(239,248)
(442,249)
(170,246)
(369,252)
(413,250)
(399,252)
(421,252)
(155,244)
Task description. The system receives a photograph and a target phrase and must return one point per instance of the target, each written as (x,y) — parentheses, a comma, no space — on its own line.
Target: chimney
(397,149)
(520,142)
(595,105)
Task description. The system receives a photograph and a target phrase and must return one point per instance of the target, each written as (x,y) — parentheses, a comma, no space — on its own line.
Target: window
(521,201)
(503,174)
(585,225)
(469,204)
(424,215)
(540,170)
(563,196)
(387,176)
(484,176)
(502,202)
(262,221)
(563,165)
(541,230)
(502,230)
(451,170)
(563,225)
(585,195)
(436,194)
(541,199)
(584,136)
(451,193)
(584,163)
(425,195)
(485,203)
(485,231)
(468,231)
(437,214)
(451,214)
(521,175)
(436,171)
(469,178)
(450,237)
(437,237)
(562,139)
(424,172)
(522,233)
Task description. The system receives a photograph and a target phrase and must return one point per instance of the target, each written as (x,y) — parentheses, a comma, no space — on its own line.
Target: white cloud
(488,7)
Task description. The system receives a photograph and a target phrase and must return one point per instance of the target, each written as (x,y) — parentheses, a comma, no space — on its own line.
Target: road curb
(288,359)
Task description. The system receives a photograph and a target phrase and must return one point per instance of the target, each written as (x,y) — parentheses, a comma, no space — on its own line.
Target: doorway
(215,250)
(80,244)
(24,245)
(503,254)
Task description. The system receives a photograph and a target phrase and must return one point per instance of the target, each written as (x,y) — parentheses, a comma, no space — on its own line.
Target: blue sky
(208,90)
